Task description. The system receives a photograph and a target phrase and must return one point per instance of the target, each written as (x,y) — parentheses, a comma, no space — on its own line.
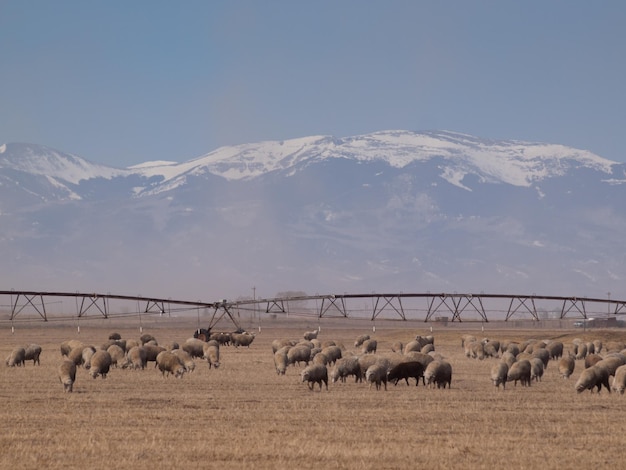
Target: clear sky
(123,82)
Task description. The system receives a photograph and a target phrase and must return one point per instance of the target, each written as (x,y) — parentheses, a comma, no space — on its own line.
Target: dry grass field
(244,414)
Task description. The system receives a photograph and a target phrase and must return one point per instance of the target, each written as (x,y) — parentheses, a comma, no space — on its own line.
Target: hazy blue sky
(122,82)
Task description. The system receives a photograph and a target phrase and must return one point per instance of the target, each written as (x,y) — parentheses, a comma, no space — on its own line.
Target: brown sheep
(169,363)
(438,373)
(376,374)
(100,364)
(595,376)
(520,370)
(566,366)
(67,375)
(32,352)
(17,357)
(315,373)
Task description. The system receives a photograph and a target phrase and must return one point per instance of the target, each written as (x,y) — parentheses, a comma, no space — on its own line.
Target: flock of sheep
(121,353)
(416,360)
(526,362)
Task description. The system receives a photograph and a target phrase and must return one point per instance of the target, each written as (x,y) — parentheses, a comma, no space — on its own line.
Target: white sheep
(242,339)
(520,370)
(438,373)
(566,366)
(315,373)
(194,346)
(100,364)
(499,373)
(137,357)
(595,376)
(536,369)
(32,352)
(309,335)
(212,353)
(299,354)
(376,374)
(17,357)
(345,367)
(67,375)
(369,346)
(169,363)
(281,361)
(619,381)
(117,355)
(360,340)
(185,358)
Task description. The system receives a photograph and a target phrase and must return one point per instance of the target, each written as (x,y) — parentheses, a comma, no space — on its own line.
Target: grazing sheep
(597,344)
(100,364)
(115,336)
(475,350)
(320,358)
(619,381)
(333,353)
(17,357)
(369,346)
(67,375)
(581,352)
(566,366)
(169,363)
(427,348)
(520,370)
(513,348)
(281,361)
(405,370)
(194,346)
(87,354)
(221,337)
(69,345)
(467,339)
(413,346)
(281,343)
(543,354)
(592,360)
(438,373)
(185,358)
(315,373)
(508,358)
(611,363)
(242,339)
(345,367)
(117,355)
(146,338)
(360,340)
(131,343)
(32,352)
(490,349)
(555,348)
(595,376)
(152,351)
(309,335)
(376,374)
(212,353)
(172,345)
(536,369)
(398,347)
(299,354)
(137,358)
(499,374)
(591,348)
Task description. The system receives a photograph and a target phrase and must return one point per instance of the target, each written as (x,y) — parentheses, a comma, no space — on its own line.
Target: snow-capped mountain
(388,211)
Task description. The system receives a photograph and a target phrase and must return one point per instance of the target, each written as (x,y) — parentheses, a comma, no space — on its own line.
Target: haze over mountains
(391,211)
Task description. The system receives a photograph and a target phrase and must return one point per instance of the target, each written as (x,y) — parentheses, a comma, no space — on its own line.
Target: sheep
(309,335)
(118,342)
(360,340)
(475,350)
(17,357)
(427,348)
(581,352)
(67,375)
(146,338)
(597,344)
(100,364)
(490,349)
(592,360)
(366,360)
(299,354)
(115,336)
(32,352)
(117,355)
(520,370)
(131,343)
(333,353)
(344,367)
(194,346)
(171,346)
(137,357)
(438,373)
(315,373)
(499,374)
(185,358)
(413,346)
(87,354)
(369,346)
(69,345)
(320,358)
(281,361)
(595,376)
(405,370)
(212,353)
(536,369)
(170,363)
(543,354)
(611,363)
(566,366)
(221,337)
(619,381)
(376,374)
(467,339)
(281,343)
(152,351)
(513,348)
(555,348)
(242,339)
(398,347)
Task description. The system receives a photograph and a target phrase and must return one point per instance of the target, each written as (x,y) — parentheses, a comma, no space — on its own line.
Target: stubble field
(244,414)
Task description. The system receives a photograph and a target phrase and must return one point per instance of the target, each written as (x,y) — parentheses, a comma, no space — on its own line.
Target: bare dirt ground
(245,414)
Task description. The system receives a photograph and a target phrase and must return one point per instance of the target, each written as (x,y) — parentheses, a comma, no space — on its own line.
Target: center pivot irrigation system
(427,307)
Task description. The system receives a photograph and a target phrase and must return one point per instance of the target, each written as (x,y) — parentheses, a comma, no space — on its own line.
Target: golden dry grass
(244,414)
